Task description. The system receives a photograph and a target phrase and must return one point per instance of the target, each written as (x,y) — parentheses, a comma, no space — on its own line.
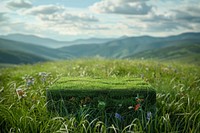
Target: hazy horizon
(68,20)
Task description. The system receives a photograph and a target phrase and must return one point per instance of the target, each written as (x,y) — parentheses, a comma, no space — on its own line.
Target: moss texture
(67,95)
(99,84)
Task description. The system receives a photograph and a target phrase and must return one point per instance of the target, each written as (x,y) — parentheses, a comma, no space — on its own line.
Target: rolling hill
(121,48)
(20,50)
(51,43)
(185,53)
(32,39)
(16,57)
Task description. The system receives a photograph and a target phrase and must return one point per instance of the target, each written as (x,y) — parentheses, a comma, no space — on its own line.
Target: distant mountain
(124,47)
(39,51)
(90,41)
(117,48)
(181,46)
(51,43)
(34,40)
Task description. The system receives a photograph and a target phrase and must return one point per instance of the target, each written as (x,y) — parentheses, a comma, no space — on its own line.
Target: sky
(78,19)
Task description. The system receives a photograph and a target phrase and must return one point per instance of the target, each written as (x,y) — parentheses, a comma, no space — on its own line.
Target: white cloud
(69,24)
(129,7)
(58,14)
(184,18)
(189,14)
(51,19)
(19,4)
(43,9)
(66,17)
(137,17)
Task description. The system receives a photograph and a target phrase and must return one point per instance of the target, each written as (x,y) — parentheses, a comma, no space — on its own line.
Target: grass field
(23,97)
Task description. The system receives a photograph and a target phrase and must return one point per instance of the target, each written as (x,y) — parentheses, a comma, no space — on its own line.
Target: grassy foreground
(23,97)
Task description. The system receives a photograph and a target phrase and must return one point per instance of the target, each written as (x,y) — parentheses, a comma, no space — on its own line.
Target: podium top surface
(88,83)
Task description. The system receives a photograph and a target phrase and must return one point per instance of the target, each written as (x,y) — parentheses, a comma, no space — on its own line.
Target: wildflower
(137,106)
(20,93)
(43,76)
(139,100)
(149,114)
(29,81)
(118,116)
(130,107)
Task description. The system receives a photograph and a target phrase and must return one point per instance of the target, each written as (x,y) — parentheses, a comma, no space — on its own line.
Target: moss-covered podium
(111,95)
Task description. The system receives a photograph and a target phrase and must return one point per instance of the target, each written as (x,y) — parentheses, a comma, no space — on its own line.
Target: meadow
(177,100)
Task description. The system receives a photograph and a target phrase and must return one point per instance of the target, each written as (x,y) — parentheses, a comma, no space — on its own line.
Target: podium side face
(122,95)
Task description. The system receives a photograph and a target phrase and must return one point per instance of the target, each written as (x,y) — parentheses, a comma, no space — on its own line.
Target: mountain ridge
(44,52)
(131,45)
(124,47)
(51,43)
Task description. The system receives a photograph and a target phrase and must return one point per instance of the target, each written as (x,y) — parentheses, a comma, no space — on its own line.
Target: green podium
(122,95)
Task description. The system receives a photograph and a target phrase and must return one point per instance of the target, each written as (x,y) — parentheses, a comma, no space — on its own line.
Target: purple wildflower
(29,81)
(149,114)
(43,76)
(118,116)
